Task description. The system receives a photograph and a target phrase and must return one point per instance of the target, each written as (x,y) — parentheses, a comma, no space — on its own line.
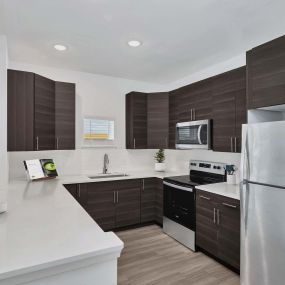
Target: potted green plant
(159,160)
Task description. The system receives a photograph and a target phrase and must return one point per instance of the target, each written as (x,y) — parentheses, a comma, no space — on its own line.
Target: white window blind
(96,129)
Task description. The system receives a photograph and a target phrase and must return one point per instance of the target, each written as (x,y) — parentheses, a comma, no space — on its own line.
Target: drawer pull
(229,205)
(204,197)
(214,216)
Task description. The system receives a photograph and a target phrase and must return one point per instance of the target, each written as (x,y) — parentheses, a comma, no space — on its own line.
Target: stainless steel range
(179,220)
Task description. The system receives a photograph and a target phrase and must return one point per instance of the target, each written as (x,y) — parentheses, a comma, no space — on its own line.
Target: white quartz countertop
(224,189)
(46,227)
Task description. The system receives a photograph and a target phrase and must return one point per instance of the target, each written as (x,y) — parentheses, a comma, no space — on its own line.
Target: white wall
(210,71)
(3,111)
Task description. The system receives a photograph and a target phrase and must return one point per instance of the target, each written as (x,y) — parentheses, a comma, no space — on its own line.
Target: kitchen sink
(107,175)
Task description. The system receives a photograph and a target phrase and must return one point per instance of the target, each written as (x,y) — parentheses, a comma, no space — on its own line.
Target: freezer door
(262,235)
(264,146)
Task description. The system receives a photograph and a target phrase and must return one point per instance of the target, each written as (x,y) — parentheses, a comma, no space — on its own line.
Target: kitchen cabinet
(157,120)
(121,203)
(218,227)
(44,124)
(173,118)
(159,201)
(41,113)
(20,111)
(266,74)
(136,120)
(148,200)
(194,101)
(64,115)
(147,120)
(229,109)
(128,202)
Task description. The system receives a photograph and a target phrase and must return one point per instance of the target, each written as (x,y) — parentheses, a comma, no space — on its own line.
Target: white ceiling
(179,36)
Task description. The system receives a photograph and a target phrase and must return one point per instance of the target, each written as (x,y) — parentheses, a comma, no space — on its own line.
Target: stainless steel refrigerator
(263,204)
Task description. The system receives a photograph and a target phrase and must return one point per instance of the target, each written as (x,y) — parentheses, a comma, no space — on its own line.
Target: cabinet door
(136,120)
(65,115)
(72,189)
(159,201)
(148,200)
(229,231)
(266,74)
(185,103)
(157,120)
(173,118)
(20,111)
(226,88)
(128,202)
(202,96)
(241,108)
(206,222)
(44,113)
(99,202)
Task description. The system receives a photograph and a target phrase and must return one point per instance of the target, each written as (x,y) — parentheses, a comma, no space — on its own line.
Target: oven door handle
(189,189)
(199,134)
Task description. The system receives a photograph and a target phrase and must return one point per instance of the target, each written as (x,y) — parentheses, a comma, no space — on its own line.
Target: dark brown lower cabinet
(218,227)
(148,200)
(122,203)
(128,202)
(159,201)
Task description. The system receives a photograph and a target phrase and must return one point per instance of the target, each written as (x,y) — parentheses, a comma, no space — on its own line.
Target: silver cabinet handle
(114,197)
(232,144)
(191,115)
(235,144)
(214,220)
(79,191)
(117,196)
(37,143)
(143,184)
(134,143)
(57,143)
(204,197)
(194,114)
(229,205)
(218,216)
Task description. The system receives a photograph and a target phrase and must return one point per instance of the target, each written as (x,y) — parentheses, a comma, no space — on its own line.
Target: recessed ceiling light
(134,43)
(60,47)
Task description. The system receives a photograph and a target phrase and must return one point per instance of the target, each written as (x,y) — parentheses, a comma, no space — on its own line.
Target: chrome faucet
(106,163)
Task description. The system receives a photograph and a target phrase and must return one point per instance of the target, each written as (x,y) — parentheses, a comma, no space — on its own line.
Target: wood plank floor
(152,258)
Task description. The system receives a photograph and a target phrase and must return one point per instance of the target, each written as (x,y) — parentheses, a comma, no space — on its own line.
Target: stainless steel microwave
(194,134)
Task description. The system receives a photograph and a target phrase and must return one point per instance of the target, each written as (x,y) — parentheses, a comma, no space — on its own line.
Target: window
(98,129)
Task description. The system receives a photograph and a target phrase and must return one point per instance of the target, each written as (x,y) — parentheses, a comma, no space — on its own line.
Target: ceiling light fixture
(60,47)
(134,43)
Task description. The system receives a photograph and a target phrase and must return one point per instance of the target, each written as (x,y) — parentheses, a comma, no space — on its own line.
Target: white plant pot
(159,166)
(231,179)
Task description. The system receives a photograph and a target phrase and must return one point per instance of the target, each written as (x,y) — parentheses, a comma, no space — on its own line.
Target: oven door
(179,204)
(196,134)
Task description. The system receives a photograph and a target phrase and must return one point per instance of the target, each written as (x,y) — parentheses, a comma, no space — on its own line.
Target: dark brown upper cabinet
(157,120)
(44,123)
(136,120)
(229,109)
(41,113)
(194,101)
(147,120)
(20,110)
(266,74)
(64,115)
(173,118)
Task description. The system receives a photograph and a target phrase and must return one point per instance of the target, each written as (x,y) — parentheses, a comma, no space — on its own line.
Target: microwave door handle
(199,134)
